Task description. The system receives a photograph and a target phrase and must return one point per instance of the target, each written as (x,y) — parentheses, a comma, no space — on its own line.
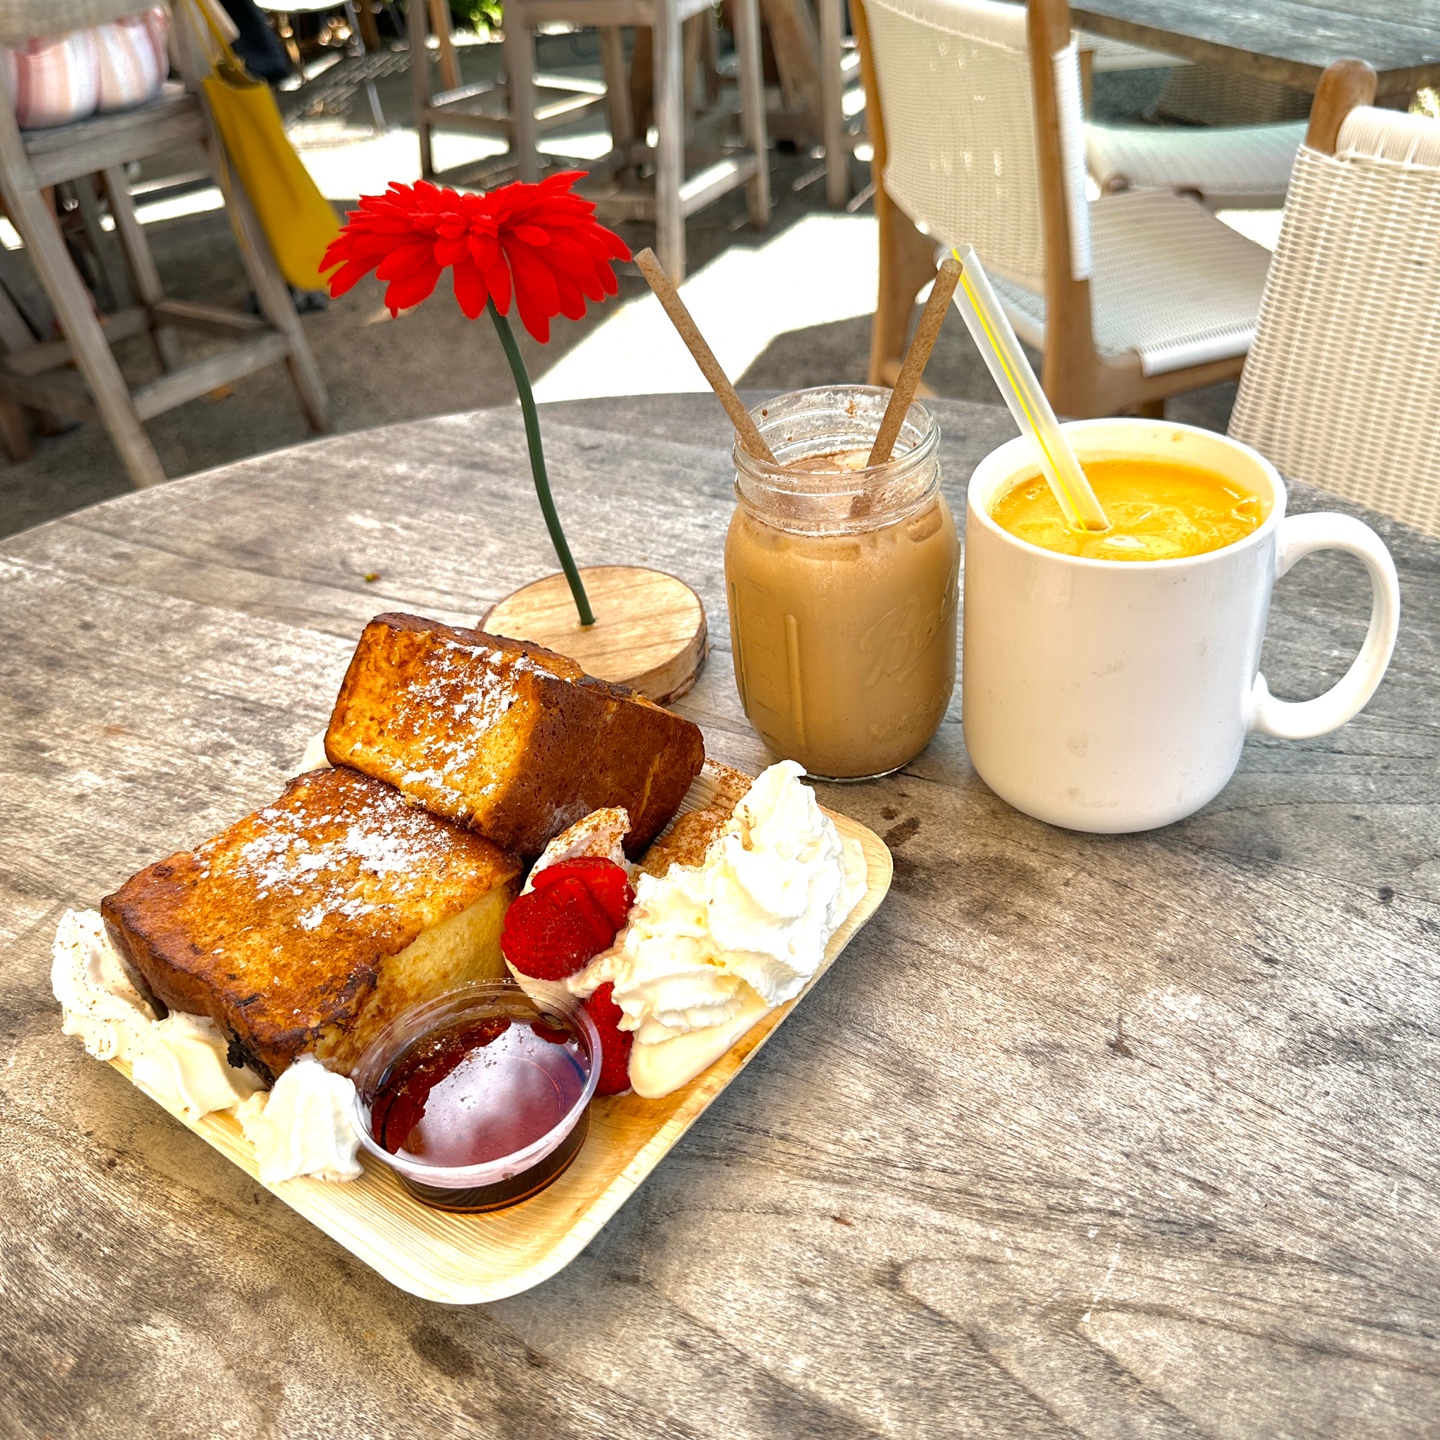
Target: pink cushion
(63,78)
(130,66)
(54,80)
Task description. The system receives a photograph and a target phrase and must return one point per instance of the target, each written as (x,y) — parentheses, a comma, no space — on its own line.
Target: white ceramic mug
(1114,696)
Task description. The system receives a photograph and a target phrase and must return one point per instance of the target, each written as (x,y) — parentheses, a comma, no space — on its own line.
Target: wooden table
(1289,41)
(1129,1136)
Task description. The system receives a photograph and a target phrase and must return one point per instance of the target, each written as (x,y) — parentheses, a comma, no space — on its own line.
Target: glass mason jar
(842,585)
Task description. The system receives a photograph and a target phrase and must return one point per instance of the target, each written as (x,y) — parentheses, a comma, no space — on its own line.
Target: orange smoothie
(1156,512)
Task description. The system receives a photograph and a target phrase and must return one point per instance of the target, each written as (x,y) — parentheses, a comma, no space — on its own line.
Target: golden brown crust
(506,737)
(280,926)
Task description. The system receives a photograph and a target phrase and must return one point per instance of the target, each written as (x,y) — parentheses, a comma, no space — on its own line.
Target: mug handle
(1302,535)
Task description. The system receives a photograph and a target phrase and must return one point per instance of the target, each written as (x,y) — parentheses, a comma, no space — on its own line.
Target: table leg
(745,16)
(520,67)
(670,142)
(837,150)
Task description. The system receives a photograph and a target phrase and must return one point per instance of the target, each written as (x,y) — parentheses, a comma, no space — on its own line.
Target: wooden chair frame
(1079,380)
(31,164)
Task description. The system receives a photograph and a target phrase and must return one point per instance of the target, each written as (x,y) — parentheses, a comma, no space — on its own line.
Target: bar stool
(675,195)
(483,107)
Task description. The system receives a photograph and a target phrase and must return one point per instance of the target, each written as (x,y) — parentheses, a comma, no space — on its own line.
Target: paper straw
(916,359)
(995,339)
(695,342)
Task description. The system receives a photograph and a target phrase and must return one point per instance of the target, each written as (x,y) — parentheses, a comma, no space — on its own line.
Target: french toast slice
(506,737)
(311,924)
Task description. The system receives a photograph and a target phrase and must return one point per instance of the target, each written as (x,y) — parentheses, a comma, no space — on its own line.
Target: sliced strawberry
(615,1043)
(571,915)
(604,879)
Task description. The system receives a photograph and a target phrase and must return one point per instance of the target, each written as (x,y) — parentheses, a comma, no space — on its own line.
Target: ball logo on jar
(900,637)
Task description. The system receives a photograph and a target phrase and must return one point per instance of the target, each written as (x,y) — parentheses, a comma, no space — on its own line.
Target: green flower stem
(537,464)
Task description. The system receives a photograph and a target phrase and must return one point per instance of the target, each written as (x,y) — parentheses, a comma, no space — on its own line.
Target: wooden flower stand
(649,631)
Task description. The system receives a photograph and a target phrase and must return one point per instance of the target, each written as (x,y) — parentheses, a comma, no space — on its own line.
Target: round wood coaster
(649,631)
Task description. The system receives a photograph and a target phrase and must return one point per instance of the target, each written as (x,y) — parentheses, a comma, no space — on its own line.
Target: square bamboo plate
(468,1259)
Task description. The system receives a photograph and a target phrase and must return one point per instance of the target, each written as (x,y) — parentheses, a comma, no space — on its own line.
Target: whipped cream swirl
(709,948)
(182,1061)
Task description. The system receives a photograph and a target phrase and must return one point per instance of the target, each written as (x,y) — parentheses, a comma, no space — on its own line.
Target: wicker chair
(1342,388)
(976,121)
(31,162)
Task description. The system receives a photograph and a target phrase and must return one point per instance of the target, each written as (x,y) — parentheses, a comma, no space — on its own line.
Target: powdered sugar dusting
(361,848)
(475,697)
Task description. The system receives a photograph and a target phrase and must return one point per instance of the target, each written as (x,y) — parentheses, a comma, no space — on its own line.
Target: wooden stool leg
(421,91)
(670,142)
(15,335)
(15,438)
(642,82)
(837,151)
(692,37)
(449,62)
(617,88)
(520,67)
(746,19)
(101,244)
(369,30)
(76,313)
(138,256)
(271,292)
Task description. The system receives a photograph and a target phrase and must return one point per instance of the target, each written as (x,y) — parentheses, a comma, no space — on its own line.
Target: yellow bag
(297,219)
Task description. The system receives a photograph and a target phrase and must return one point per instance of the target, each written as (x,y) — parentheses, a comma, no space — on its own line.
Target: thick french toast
(309,925)
(506,737)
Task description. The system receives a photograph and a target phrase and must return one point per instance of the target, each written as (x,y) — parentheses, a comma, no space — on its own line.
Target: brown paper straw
(916,359)
(680,317)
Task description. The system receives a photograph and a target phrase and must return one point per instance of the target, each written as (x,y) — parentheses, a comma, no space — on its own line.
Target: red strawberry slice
(615,1043)
(571,915)
(605,880)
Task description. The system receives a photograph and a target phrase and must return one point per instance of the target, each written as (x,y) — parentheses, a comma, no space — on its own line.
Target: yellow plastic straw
(990,329)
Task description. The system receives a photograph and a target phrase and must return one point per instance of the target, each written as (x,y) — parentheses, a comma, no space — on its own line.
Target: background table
(1289,41)
(1130,1136)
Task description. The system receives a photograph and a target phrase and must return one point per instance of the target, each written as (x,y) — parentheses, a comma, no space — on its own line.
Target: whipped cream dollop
(710,948)
(179,1061)
(185,1067)
(303,1126)
(314,757)
(182,1062)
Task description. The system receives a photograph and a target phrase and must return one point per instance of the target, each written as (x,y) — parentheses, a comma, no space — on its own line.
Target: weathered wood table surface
(1083,1136)
(1289,41)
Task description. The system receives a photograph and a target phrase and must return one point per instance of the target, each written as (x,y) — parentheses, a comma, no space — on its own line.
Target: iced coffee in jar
(842,585)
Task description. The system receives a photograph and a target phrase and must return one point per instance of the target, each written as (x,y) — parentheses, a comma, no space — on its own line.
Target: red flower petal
(406,260)
(534,284)
(402,294)
(469,288)
(539,244)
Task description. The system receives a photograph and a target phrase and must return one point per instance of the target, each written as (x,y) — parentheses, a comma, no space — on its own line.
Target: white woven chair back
(28,19)
(956,94)
(1342,387)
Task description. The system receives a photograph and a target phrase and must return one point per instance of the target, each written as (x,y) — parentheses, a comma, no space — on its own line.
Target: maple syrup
(479,1090)
(478,1099)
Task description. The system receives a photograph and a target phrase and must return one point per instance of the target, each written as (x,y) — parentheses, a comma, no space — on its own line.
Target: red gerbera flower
(540,242)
